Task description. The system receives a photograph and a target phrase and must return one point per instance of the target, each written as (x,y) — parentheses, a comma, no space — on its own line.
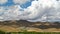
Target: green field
(35,33)
(1,32)
(30,33)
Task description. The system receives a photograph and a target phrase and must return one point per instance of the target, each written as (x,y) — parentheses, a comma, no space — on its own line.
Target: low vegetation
(2,32)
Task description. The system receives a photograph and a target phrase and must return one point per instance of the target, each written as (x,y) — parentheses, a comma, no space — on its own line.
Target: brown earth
(17,26)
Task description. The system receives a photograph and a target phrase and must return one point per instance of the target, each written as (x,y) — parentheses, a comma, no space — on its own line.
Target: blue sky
(10,3)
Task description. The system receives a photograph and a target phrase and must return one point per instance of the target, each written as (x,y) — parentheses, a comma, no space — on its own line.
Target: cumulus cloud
(41,10)
(3,1)
(20,1)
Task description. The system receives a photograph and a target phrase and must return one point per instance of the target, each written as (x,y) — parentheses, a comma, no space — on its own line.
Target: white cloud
(41,10)
(41,7)
(3,1)
(20,1)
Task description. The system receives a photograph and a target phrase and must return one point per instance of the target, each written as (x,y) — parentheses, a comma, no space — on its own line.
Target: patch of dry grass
(13,29)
